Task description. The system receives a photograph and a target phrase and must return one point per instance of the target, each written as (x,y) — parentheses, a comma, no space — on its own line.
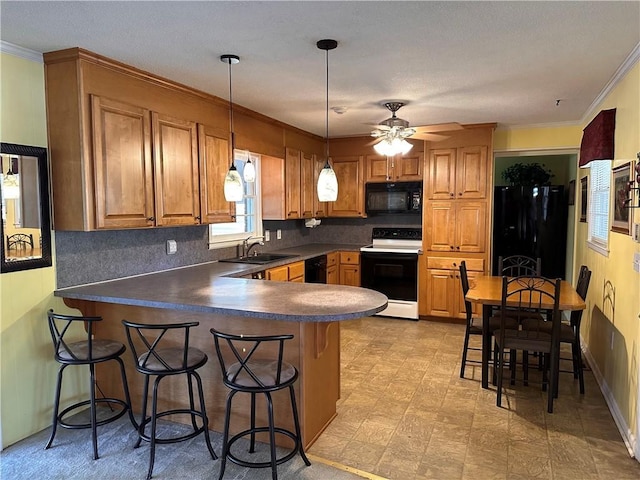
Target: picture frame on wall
(572,192)
(621,216)
(583,199)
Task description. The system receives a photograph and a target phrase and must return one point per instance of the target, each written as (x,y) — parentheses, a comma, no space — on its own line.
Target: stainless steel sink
(261,258)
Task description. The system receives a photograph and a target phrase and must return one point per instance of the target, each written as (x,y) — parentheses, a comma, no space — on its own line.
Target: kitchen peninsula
(204,293)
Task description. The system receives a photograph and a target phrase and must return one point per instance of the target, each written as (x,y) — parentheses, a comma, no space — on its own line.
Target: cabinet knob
(198,217)
(458,248)
(460,193)
(454,264)
(151,219)
(451,247)
(452,195)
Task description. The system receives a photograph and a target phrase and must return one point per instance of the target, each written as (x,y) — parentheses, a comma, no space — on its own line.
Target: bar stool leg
(296,423)
(252,445)
(152,435)
(92,410)
(205,418)
(127,395)
(143,417)
(272,437)
(225,434)
(191,402)
(56,407)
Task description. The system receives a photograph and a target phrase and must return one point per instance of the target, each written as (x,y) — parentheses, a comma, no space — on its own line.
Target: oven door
(394,274)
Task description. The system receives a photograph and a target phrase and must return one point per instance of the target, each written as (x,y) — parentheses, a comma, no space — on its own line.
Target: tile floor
(405,414)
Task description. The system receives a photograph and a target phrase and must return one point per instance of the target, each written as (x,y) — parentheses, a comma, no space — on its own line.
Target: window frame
(599,212)
(218,240)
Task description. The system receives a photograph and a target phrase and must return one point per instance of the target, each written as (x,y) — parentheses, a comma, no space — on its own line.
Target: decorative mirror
(24,199)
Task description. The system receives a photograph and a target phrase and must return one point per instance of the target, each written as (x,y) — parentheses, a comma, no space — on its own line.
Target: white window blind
(599,187)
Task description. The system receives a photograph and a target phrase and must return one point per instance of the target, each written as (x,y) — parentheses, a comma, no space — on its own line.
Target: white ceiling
(467,62)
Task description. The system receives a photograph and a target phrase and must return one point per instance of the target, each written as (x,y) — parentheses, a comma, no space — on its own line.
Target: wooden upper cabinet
(458,173)
(471,172)
(292,174)
(213,149)
(455,226)
(398,168)
(349,172)
(177,186)
(310,206)
(122,164)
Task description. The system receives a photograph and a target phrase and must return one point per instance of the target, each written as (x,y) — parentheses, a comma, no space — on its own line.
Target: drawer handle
(151,219)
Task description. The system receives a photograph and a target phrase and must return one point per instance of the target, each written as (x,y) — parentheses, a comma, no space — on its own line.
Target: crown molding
(18,51)
(623,69)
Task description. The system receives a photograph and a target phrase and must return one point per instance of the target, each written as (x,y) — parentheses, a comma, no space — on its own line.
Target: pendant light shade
(327,181)
(249,173)
(233,189)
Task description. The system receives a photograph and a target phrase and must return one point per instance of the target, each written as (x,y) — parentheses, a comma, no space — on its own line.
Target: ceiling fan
(397,128)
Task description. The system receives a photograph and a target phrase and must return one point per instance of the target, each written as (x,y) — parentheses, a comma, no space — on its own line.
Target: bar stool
(162,350)
(256,372)
(88,351)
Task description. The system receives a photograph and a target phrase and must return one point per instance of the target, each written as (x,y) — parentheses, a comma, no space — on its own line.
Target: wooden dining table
(486,290)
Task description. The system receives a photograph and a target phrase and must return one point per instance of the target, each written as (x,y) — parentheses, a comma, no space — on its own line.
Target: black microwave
(393,198)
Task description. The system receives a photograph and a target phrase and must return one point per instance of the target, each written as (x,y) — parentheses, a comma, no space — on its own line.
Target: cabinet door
(350,202)
(122,164)
(408,168)
(440,285)
(332,275)
(175,151)
(292,183)
(350,275)
(471,172)
(278,274)
(377,168)
(213,149)
(470,223)
(308,178)
(442,174)
(440,223)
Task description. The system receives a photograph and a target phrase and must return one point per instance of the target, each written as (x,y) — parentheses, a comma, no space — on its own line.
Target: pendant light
(327,181)
(249,172)
(233,190)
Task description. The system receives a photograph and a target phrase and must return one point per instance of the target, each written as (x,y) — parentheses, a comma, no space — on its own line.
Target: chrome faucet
(246,247)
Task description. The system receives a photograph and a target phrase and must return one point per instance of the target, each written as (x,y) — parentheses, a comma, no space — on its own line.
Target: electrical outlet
(635,233)
(267,236)
(278,234)
(172,247)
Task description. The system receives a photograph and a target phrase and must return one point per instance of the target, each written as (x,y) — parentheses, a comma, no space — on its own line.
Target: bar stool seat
(85,352)
(161,350)
(254,374)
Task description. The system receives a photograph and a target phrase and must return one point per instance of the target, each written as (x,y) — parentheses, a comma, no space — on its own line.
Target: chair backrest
(160,348)
(60,328)
(19,241)
(245,353)
(582,286)
(527,297)
(464,280)
(519,265)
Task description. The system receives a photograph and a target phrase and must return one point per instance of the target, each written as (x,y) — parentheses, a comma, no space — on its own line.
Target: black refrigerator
(531,221)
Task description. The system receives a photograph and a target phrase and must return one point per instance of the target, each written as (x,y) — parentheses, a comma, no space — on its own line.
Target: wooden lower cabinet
(293,272)
(333,276)
(350,268)
(443,287)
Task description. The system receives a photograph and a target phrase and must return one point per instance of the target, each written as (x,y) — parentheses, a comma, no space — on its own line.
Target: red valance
(598,138)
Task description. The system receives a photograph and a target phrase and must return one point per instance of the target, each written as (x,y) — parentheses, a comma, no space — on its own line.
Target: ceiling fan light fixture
(233,189)
(327,186)
(391,147)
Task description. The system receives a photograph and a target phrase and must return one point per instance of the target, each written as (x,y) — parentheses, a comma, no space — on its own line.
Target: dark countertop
(208,288)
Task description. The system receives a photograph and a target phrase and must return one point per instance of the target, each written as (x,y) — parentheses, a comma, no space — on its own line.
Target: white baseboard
(629,439)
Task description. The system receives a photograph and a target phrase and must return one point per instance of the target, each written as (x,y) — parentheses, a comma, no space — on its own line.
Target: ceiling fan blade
(440,127)
(431,137)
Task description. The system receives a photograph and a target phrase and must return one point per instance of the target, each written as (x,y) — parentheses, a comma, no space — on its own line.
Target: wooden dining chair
(530,295)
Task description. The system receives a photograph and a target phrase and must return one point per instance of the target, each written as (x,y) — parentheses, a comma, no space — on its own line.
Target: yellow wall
(27,368)
(618,366)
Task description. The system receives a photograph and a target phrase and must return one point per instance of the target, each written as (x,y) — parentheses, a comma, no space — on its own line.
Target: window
(598,218)
(248,222)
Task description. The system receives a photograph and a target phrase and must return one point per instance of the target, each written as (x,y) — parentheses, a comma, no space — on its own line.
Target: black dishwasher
(315,269)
